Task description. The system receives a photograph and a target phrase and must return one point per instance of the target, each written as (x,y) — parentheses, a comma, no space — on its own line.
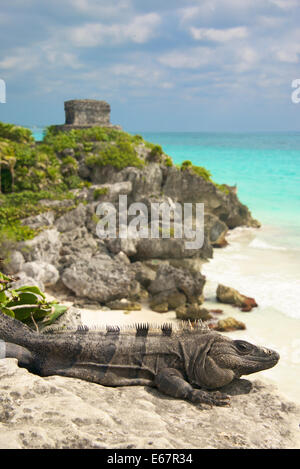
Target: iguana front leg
(170,381)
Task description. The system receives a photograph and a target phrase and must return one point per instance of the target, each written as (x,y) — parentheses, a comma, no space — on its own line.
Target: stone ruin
(85,113)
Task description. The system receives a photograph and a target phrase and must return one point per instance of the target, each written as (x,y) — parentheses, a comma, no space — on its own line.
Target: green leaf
(25,298)
(22,314)
(3,297)
(8,312)
(42,312)
(57,311)
(31,289)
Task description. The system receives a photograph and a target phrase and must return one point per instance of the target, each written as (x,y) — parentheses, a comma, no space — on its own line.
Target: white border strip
(2,349)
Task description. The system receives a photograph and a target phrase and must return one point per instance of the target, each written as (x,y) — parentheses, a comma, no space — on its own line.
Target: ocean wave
(260,244)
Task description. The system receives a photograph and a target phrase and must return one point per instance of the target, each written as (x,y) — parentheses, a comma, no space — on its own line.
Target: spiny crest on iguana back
(138,329)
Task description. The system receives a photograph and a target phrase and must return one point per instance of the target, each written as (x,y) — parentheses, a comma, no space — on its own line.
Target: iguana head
(225,359)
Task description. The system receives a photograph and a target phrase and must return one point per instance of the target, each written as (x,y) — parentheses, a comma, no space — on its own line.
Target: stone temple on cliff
(85,113)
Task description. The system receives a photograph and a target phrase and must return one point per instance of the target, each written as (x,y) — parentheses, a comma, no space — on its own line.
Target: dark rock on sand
(231,296)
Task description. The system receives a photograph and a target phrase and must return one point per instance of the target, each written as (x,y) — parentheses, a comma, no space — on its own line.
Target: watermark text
(295,96)
(161,220)
(2,91)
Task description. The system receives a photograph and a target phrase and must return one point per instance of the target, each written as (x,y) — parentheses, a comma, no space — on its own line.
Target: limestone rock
(99,278)
(181,312)
(39,221)
(170,248)
(57,412)
(72,219)
(160,307)
(185,186)
(128,246)
(111,192)
(13,262)
(143,274)
(124,303)
(231,296)
(24,280)
(121,257)
(44,247)
(216,230)
(170,278)
(176,299)
(229,324)
(173,298)
(193,312)
(44,273)
(78,243)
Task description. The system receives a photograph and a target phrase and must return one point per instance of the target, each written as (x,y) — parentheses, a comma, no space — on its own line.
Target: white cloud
(19,60)
(289,55)
(139,30)
(46,55)
(247,59)
(100,8)
(270,21)
(192,59)
(285,4)
(219,35)
(207,9)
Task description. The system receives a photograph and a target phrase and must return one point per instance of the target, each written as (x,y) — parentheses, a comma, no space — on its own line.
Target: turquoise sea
(264,166)
(264,263)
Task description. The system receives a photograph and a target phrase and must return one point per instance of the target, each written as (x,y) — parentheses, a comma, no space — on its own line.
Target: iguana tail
(12,330)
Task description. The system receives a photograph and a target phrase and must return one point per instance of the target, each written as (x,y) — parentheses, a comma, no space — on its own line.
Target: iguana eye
(242,347)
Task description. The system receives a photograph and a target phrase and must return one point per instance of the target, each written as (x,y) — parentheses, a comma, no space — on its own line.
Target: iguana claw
(217,398)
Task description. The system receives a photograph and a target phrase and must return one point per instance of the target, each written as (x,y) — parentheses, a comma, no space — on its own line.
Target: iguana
(182,363)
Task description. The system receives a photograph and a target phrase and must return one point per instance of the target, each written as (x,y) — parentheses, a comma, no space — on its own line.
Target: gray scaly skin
(178,363)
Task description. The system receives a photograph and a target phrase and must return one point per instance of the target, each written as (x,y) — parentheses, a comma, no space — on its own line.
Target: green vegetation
(15,133)
(59,141)
(28,304)
(155,154)
(203,173)
(99,192)
(16,206)
(168,161)
(119,155)
(222,187)
(29,172)
(199,170)
(186,164)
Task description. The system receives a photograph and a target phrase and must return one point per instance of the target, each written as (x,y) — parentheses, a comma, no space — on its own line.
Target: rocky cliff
(108,163)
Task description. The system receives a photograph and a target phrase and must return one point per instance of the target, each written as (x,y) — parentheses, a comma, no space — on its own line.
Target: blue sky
(169,65)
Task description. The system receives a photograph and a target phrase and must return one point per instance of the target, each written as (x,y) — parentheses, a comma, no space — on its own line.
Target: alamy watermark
(295,96)
(2,91)
(162,220)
